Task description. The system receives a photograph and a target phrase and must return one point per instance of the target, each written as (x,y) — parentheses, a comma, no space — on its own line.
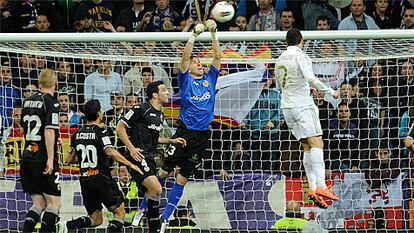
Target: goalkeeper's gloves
(198,29)
(212,27)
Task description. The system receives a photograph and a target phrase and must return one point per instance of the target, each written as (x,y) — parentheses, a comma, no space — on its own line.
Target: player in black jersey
(145,121)
(91,147)
(39,164)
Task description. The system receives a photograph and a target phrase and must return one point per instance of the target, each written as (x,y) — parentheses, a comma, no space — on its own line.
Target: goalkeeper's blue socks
(173,198)
(143,205)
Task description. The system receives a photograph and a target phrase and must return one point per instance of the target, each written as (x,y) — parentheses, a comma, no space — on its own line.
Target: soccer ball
(222,12)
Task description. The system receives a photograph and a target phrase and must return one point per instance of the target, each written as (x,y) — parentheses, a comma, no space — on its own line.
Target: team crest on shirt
(205,83)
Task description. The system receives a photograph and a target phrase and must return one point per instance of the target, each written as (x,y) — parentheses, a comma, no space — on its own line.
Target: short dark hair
(148,70)
(323,18)
(293,37)
(153,88)
(91,109)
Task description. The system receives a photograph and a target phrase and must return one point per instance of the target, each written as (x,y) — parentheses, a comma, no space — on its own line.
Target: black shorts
(147,166)
(188,158)
(98,190)
(34,182)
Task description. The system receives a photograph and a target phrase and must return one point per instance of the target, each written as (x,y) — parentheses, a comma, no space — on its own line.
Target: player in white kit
(295,77)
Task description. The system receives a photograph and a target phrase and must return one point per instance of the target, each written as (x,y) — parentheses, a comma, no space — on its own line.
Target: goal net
(254,174)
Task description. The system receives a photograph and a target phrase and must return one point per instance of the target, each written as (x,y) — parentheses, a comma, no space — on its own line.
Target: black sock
(115,225)
(31,220)
(153,215)
(81,222)
(49,221)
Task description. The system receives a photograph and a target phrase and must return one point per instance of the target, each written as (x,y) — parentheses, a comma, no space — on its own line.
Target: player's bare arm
(117,157)
(186,58)
(180,140)
(50,148)
(136,153)
(212,28)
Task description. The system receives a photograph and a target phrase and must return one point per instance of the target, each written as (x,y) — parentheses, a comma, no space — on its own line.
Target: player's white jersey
(295,75)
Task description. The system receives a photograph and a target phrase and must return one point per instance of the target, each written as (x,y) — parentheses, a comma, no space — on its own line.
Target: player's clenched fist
(198,29)
(211,25)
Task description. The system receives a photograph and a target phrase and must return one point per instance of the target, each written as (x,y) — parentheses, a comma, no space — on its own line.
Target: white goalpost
(255,166)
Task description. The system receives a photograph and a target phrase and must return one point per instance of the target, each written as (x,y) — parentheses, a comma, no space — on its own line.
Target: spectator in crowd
(132,15)
(85,66)
(42,23)
(358,20)
(397,12)
(242,22)
(68,83)
(380,14)
(266,19)
(358,71)
(98,11)
(15,130)
(343,138)
(86,24)
(183,218)
(197,10)
(112,116)
(322,23)
(331,73)
(287,18)
(39,63)
(101,83)
(66,11)
(382,170)
(340,9)
(9,96)
(405,87)
(233,27)
(133,78)
(25,12)
(28,91)
(408,18)
(6,20)
(74,117)
(132,99)
(318,8)
(63,121)
(162,19)
(24,74)
(293,218)
(262,126)
(129,189)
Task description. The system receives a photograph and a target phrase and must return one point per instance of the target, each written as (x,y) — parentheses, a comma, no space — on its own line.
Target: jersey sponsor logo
(205,83)
(153,114)
(33,104)
(155,127)
(205,96)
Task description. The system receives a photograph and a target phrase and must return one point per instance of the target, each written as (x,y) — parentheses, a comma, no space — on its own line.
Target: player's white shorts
(304,121)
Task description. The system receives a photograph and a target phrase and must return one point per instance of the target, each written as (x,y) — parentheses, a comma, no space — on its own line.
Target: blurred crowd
(182,15)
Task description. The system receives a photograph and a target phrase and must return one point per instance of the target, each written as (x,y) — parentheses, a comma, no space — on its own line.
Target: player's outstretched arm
(117,157)
(212,28)
(186,58)
(135,152)
(307,72)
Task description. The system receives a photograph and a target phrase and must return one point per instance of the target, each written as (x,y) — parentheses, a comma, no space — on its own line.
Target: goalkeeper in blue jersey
(197,91)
